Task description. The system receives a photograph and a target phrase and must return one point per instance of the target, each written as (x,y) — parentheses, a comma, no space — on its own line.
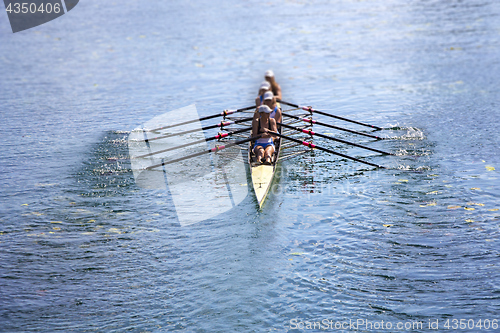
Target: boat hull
(262,178)
(263,175)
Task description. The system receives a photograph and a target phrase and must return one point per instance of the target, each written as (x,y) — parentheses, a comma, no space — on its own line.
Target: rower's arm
(278,91)
(278,115)
(254,120)
(255,123)
(274,128)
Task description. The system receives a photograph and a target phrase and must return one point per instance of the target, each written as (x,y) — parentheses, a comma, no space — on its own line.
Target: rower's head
(269,99)
(269,76)
(264,111)
(265,86)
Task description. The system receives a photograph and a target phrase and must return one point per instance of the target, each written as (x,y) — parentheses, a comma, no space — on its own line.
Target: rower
(270,101)
(264,87)
(264,146)
(259,100)
(275,87)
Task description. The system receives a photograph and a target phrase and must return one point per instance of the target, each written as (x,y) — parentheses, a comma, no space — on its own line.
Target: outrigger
(292,124)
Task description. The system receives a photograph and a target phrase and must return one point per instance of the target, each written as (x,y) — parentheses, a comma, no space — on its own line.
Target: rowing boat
(263,174)
(151,149)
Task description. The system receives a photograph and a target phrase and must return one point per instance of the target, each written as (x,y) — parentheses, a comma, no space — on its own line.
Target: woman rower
(259,100)
(264,146)
(264,87)
(275,87)
(270,101)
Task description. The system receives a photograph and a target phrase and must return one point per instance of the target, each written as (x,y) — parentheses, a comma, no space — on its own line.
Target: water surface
(83,248)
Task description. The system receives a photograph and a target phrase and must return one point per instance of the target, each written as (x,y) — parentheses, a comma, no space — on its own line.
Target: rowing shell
(262,174)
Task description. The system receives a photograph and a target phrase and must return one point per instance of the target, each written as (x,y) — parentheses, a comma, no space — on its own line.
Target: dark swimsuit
(263,144)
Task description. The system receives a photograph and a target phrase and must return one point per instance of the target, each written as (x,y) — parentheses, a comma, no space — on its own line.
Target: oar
(310,121)
(334,139)
(218,136)
(311,145)
(213,150)
(221,124)
(224,113)
(310,109)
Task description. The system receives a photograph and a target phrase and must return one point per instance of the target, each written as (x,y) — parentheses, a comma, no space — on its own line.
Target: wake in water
(408,149)
(412,133)
(413,169)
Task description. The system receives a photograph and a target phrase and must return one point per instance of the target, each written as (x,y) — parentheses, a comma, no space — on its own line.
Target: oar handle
(311,145)
(246,109)
(310,109)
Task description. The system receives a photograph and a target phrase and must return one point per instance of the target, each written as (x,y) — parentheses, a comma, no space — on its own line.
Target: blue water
(83,248)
